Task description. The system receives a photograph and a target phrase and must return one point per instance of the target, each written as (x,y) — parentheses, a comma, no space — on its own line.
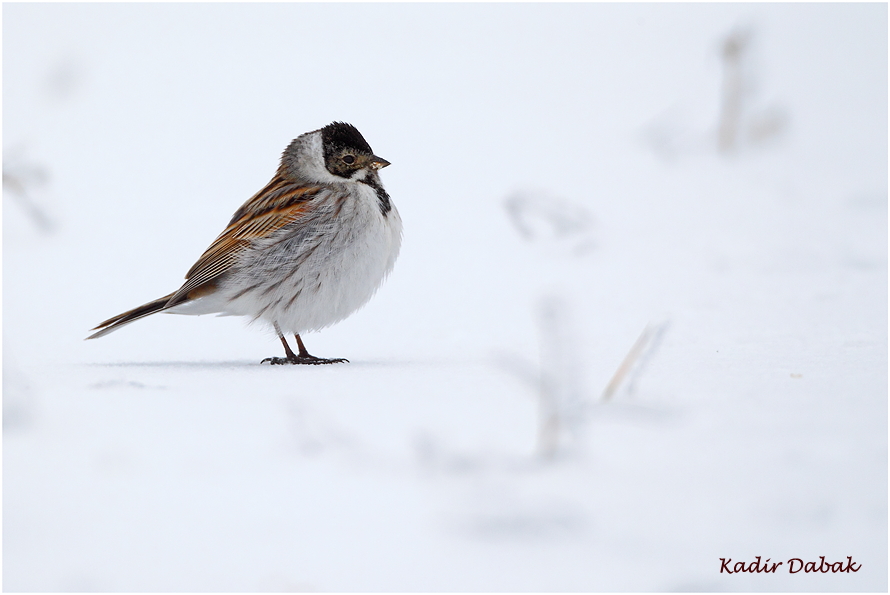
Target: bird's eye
(348,159)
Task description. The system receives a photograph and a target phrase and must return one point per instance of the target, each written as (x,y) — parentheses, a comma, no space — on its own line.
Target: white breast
(320,270)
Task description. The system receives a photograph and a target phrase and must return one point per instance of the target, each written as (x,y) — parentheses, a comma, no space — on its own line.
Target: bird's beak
(378,162)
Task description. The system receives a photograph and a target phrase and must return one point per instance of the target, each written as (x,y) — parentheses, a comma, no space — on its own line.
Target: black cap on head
(340,135)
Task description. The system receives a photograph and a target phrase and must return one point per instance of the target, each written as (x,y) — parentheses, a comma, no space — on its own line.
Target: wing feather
(280,203)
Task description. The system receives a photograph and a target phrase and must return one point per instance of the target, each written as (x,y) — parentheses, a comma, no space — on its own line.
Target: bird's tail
(112,324)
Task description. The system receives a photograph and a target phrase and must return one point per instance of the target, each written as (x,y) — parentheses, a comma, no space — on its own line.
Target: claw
(303,358)
(311,360)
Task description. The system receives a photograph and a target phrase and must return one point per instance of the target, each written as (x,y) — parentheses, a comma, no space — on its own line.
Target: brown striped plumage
(281,202)
(304,252)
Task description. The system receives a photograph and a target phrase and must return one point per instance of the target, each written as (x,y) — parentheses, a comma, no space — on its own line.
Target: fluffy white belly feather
(311,274)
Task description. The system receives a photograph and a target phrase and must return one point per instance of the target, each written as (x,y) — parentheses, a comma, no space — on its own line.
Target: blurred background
(638,324)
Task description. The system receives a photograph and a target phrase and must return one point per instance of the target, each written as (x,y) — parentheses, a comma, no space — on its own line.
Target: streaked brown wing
(281,202)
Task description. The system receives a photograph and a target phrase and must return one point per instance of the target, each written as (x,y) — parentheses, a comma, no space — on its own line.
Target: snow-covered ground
(569,175)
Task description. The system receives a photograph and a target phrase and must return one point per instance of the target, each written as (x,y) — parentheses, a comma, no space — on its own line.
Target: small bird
(306,251)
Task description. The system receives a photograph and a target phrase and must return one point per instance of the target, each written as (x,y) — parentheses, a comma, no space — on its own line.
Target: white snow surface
(562,187)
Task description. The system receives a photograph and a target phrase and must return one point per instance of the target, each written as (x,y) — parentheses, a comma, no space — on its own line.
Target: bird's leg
(305,358)
(302,358)
(303,352)
(290,357)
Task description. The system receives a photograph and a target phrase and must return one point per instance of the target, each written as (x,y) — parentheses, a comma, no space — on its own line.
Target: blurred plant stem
(18,179)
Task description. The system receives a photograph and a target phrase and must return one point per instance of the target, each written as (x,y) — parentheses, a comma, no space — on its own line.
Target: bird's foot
(303,359)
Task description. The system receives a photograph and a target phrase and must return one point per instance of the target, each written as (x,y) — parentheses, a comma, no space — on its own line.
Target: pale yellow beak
(378,162)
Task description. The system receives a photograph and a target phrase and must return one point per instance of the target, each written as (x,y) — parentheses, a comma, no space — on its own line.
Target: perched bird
(304,252)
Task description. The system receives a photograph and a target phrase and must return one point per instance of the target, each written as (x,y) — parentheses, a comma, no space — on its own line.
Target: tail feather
(112,324)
